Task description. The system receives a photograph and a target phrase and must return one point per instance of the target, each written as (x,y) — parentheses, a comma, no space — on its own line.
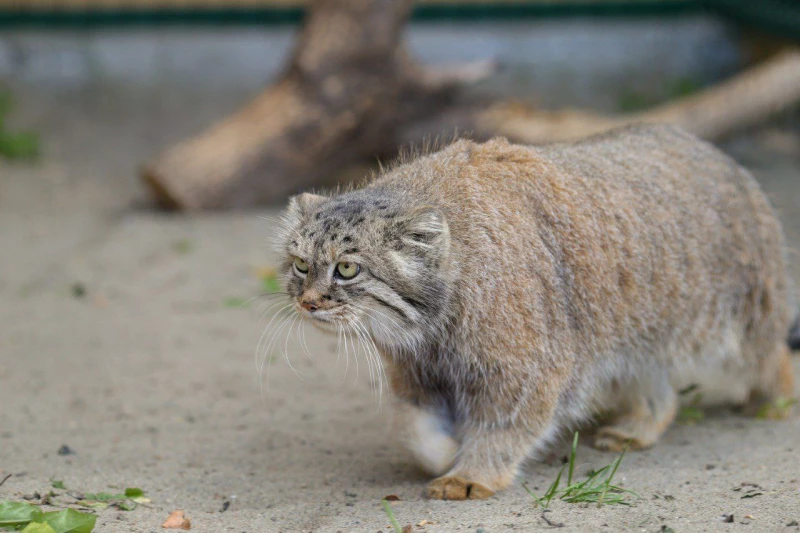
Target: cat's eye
(300,265)
(347,270)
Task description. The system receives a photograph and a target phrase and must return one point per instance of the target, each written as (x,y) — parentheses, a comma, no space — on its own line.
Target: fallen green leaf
(133,493)
(93,505)
(70,521)
(18,514)
(58,484)
(126,505)
(103,496)
(38,527)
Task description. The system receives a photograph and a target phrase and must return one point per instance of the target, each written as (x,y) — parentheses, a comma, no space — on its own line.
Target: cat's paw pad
(456,488)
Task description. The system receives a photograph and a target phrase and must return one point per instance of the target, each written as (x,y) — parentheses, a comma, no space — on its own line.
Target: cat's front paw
(457,488)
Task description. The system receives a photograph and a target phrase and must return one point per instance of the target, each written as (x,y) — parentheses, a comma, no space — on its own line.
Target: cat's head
(367,259)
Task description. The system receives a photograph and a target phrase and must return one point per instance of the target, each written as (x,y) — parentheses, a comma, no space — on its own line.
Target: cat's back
(635,175)
(634,192)
(647,222)
(643,158)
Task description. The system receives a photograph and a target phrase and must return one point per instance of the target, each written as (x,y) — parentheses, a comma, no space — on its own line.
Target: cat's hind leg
(642,410)
(774,395)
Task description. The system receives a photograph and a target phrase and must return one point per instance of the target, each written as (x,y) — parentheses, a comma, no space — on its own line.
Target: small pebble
(65,450)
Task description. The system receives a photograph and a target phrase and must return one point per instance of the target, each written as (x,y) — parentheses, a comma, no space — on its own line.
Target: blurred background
(131,78)
(144,146)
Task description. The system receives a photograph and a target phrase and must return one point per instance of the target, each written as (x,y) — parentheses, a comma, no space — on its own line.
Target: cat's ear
(302,204)
(425,227)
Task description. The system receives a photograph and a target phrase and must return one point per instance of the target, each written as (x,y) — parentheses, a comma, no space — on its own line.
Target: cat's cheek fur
(409,270)
(386,334)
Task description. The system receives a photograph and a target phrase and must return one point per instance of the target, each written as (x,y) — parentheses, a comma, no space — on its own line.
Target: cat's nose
(309,306)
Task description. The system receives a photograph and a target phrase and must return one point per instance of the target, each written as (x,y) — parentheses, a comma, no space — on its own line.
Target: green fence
(780,17)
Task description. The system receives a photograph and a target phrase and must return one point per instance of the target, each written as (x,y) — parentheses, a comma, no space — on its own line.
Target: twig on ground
(550,522)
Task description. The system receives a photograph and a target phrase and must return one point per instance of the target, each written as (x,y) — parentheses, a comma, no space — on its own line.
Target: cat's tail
(794,335)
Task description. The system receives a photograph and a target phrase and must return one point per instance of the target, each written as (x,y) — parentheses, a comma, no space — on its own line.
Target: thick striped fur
(514,292)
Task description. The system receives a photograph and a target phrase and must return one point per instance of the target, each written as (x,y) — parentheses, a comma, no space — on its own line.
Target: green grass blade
(534,496)
(596,488)
(611,475)
(392,519)
(551,492)
(572,458)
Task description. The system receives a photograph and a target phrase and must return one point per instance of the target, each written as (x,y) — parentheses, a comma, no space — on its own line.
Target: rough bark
(350,91)
(744,100)
(348,87)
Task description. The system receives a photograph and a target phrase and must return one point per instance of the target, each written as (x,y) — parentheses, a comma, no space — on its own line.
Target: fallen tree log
(350,91)
(744,100)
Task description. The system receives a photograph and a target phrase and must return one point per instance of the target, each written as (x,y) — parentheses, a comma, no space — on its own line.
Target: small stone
(65,450)
(78,290)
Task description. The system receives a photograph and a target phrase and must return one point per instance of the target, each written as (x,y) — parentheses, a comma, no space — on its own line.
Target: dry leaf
(422,523)
(408,529)
(392,498)
(751,517)
(177,520)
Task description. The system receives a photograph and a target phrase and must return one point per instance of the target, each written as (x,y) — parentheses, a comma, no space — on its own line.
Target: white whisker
(270,305)
(346,355)
(274,338)
(266,357)
(372,351)
(261,339)
(302,329)
(286,348)
(362,345)
(338,344)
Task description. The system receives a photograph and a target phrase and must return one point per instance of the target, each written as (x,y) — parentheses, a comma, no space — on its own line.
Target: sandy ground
(150,378)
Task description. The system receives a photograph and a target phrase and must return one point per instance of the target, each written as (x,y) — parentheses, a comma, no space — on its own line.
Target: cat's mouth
(328,320)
